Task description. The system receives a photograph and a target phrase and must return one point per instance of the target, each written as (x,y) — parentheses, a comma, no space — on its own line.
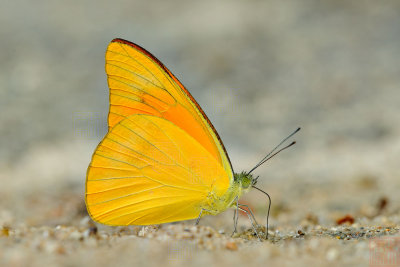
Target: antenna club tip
(291,144)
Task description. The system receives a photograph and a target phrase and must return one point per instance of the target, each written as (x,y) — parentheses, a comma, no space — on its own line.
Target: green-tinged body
(242,183)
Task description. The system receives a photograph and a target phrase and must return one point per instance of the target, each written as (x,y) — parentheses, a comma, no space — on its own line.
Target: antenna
(269,156)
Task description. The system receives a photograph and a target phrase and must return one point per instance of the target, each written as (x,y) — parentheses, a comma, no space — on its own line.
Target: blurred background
(259,69)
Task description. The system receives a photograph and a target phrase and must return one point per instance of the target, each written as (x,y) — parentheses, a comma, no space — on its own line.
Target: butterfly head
(245,180)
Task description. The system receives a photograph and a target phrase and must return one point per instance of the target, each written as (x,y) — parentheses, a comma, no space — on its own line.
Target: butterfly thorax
(242,183)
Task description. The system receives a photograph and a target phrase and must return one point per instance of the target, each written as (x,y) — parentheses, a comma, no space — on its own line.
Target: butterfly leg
(201,212)
(235,216)
(254,218)
(198,218)
(251,213)
(252,223)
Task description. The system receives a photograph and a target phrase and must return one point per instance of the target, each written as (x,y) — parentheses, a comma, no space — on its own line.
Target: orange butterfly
(161,160)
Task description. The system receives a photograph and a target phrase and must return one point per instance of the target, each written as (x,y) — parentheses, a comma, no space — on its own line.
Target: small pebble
(231,246)
(5,231)
(76,235)
(142,232)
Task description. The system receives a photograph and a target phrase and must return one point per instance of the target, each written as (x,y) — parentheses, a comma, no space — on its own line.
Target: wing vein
(132,204)
(128,195)
(130,56)
(134,73)
(110,76)
(121,187)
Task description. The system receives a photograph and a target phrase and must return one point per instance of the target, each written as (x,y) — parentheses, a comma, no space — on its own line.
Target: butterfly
(162,160)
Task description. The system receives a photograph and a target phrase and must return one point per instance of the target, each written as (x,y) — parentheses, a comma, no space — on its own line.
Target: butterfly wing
(147,170)
(162,159)
(140,84)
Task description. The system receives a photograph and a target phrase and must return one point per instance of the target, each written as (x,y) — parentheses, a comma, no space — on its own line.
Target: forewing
(140,84)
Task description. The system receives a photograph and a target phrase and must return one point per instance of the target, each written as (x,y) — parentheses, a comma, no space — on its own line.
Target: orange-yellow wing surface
(147,170)
(140,84)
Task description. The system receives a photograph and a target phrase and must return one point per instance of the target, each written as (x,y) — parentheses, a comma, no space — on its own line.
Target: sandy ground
(259,69)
